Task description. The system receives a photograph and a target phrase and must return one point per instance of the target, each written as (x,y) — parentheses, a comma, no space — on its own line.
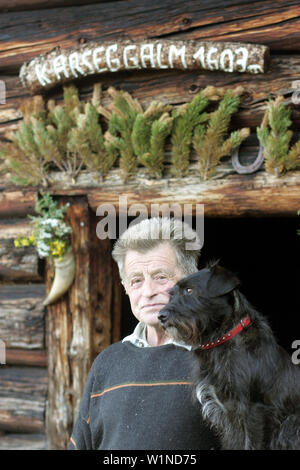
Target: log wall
(46,362)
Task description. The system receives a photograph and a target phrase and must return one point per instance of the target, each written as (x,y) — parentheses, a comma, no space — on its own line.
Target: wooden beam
(20,5)
(20,441)
(23,442)
(69,323)
(25,357)
(17,203)
(43,72)
(79,325)
(226,195)
(22,316)
(22,399)
(273,23)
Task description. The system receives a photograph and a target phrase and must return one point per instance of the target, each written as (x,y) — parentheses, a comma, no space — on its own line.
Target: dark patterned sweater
(141,398)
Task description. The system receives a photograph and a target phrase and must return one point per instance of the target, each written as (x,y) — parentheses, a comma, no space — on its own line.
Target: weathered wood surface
(22,398)
(250,195)
(273,23)
(19,5)
(17,264)
(227,194)
(69,323)
(79,325)
(13,441)
(106,291)
(25,357)
(22,322)
(17,203)
(63,65)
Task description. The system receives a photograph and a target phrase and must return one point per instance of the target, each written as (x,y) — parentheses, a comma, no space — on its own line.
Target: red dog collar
(239,327)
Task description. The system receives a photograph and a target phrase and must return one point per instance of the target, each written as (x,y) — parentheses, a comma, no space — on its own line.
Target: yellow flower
(32,239)
(17,243)
(25,241)
(57,248)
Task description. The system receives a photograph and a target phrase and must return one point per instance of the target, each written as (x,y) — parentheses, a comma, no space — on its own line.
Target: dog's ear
(220,281)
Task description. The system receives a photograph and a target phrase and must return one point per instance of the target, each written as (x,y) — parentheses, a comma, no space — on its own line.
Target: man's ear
(220,282)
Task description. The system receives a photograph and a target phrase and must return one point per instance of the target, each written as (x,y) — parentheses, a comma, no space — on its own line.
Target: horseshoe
(247,169)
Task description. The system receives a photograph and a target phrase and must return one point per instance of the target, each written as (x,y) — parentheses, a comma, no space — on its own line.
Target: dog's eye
(188,290)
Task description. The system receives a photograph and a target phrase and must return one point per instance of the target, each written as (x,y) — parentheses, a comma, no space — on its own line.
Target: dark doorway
(264,253)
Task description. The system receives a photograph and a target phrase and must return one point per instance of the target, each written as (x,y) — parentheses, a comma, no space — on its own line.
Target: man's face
(149,276)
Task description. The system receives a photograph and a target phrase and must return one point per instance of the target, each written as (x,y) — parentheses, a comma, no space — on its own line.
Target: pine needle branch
(274,136)
(121,117)
(186,118)
(149,133)
(210,142)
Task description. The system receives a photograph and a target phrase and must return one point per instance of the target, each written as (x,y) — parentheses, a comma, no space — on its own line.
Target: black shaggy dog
(247,384)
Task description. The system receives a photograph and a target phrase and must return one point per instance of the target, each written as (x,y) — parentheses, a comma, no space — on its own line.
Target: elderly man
(139,392)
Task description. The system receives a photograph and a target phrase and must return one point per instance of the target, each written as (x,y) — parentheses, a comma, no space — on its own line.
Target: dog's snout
(163,315)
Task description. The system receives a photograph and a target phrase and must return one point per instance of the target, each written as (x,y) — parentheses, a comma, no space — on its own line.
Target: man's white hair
(149,233)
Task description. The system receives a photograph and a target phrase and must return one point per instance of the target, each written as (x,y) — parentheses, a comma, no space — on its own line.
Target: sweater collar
(138,338)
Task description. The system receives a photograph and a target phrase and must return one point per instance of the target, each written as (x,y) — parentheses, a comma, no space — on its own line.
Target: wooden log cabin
(250,219)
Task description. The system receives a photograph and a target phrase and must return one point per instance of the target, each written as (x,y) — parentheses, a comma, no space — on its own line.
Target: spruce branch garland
(87,139)
(210,142)
(149,134)
(23,160)
(275,137)
(121,115)
(186,118)
(63,136)
(69,136)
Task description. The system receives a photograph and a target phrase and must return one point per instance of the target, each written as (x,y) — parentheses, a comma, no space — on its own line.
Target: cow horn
(63,277)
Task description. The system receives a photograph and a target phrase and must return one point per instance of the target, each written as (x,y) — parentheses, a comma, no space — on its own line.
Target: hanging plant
(275,137)
(51,237)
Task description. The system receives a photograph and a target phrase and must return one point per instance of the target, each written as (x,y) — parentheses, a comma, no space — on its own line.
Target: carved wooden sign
(63,65)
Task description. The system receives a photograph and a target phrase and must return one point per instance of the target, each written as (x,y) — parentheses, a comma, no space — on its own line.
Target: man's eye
(135,281)
(160,277)
(188,290)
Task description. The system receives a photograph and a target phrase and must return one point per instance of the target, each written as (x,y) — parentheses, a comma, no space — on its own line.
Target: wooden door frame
(80,324)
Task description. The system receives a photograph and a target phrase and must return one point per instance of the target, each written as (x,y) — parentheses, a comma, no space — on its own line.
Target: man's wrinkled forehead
(161,256)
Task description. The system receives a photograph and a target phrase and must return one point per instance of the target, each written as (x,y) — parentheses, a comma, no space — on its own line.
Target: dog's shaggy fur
(248,386)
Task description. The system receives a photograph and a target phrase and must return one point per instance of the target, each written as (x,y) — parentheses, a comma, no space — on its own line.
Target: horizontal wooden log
(25,357)
(65,65)
(19,5)
(227,194)
(22,398)
(22,316)
(17,203)
(259,194)
(17,275)
(12,441)
(17,264)
(273,23)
